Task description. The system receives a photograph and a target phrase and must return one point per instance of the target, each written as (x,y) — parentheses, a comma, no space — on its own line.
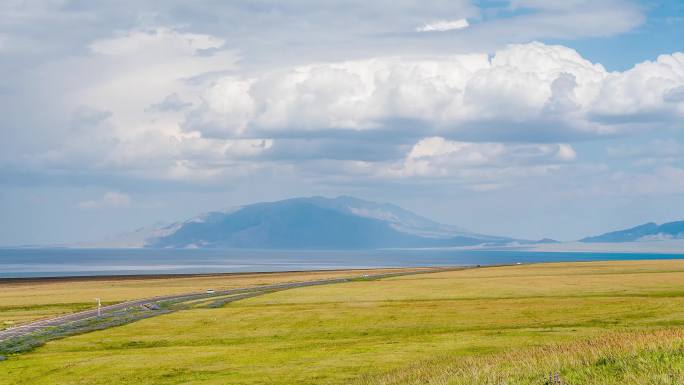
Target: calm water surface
(69,262)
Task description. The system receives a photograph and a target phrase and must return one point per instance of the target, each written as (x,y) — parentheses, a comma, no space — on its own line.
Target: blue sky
(661,32)
(527,118)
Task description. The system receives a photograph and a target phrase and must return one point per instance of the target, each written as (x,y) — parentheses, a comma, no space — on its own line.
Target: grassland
(592,323)
(24,300)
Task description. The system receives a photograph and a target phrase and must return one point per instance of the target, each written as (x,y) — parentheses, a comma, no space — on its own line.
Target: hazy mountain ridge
(316,222)
(647,232)
(348,223)
(403,220)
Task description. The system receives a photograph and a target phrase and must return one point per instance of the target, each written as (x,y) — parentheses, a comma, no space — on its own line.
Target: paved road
(19,331)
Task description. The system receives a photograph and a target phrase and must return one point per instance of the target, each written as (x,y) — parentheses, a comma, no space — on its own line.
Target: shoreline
(152,276)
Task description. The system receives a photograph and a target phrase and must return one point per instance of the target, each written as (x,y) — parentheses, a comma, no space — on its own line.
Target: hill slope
(315,223)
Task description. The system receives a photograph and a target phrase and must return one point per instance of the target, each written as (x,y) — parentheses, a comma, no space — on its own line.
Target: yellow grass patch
(603,323)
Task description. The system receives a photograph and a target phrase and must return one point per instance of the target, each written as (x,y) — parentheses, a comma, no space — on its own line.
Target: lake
(76,262)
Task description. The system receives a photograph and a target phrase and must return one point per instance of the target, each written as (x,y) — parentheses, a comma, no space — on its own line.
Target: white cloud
(138,69)
(154,104)
(110,199)
(566,152)
(444,25)
(439,157)
(645,89)
(158,104)
(525,88)
(221,126)
(122,105)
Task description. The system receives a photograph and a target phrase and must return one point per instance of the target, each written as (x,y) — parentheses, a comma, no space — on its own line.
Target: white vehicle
(210,291)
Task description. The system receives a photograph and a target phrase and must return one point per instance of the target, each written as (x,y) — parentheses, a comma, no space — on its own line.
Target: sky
(525,118)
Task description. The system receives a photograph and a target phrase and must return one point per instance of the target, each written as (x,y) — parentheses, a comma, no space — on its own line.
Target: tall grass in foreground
(621,358)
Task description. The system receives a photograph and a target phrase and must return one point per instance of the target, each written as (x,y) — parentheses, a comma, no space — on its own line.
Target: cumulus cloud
(184,96)
(110,199)
(438,157)
(120,107)
(160,108)
(533,86)
(444,25)
(476,166)
(643,89)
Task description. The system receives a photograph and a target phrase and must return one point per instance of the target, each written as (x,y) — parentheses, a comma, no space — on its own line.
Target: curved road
(22,330)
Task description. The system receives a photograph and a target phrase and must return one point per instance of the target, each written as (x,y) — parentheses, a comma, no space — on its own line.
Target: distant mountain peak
(546,241)
(343,222)
(650,231)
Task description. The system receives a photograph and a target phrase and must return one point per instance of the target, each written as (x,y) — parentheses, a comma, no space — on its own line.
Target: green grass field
(592,323)
(23,301)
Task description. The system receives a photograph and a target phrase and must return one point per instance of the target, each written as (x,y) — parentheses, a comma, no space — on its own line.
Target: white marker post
(99,307)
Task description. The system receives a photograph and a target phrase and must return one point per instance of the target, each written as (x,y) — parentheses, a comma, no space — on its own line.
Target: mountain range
(310,223)
(646,232)
(345,223)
